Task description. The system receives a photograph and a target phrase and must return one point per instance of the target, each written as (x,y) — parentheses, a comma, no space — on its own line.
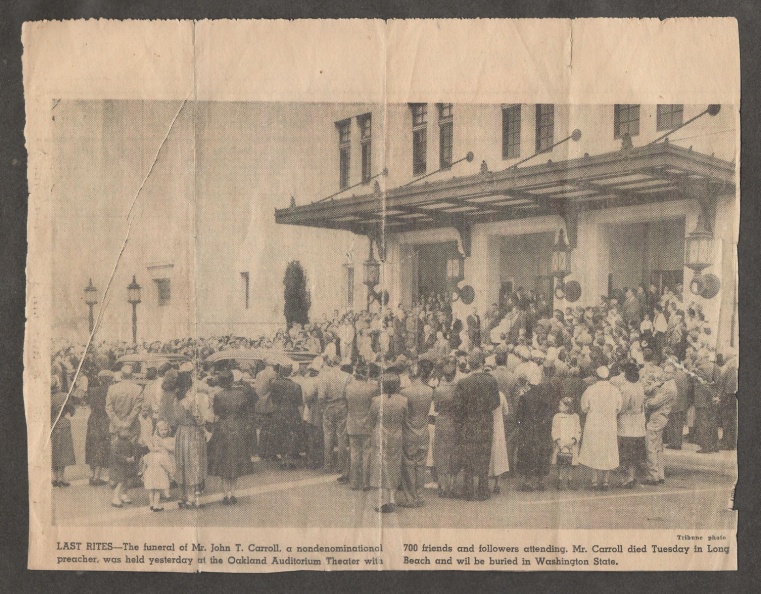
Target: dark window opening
(625,120)
(446,135)
(669,117)
(419,138)
(344,153)
(511,132)
(365,137)
(545,127)
(246,288)
(164,288)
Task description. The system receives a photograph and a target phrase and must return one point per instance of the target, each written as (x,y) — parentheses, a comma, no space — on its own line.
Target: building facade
(626,184)
(182,196)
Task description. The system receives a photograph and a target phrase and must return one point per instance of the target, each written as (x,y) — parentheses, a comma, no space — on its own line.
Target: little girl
(159,465)
(566,433)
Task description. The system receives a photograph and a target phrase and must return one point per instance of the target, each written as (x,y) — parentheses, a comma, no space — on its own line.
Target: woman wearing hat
(445,454)
(388,413)
(97,440)
(192,412)
(61,442)
(599,445)
(229,458)
(631,422)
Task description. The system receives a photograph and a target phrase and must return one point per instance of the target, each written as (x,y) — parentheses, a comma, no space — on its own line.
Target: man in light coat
(359,396)
(312,415)
(124,402)
(415,436)
(331,393)
(659,407)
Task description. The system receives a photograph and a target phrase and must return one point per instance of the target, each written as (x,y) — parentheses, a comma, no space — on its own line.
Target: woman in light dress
(498,464)
(601,402)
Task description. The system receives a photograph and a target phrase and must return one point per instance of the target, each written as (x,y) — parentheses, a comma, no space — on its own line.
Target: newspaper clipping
(365,295)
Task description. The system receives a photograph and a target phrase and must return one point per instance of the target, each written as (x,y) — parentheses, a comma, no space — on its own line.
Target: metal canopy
(651,173)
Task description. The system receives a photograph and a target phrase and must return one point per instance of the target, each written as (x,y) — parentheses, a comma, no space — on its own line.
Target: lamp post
(133,297)
(561,263)
(455,275)
(698,248)
(455,269)
(371,270)
(91,299)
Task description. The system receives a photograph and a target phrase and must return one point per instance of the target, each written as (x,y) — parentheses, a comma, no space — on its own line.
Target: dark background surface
(14,515)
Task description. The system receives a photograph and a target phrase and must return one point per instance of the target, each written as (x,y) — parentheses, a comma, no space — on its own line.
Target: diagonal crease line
(106,293)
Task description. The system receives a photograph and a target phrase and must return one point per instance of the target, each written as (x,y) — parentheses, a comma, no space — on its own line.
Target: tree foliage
(297,297)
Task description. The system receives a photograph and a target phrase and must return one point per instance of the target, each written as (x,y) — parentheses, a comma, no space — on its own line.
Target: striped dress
(190,440)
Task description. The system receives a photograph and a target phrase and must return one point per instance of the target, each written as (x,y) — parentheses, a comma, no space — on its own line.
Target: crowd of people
(399,399)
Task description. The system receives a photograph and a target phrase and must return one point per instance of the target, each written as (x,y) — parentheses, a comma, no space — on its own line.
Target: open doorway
(645,254)
(431,265)
(526,267)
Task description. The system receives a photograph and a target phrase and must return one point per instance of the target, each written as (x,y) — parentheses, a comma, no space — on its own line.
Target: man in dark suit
(474,329)
(359,396)
(706,404)
(678,416)
(534,418)
(477,396)
(286,398)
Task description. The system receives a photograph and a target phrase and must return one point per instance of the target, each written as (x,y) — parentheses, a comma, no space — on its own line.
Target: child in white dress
(159,465)
(566,434)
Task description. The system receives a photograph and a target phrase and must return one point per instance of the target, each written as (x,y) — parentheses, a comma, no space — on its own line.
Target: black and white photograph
(465,315)
(348,317)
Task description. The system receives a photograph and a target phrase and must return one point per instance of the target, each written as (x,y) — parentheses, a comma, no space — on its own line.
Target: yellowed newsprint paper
(367,295)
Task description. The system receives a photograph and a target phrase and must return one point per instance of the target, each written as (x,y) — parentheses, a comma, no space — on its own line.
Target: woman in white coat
(498,464)
(599,445)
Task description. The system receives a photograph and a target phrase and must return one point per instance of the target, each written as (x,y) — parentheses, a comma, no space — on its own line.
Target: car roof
(150,357)
(274,355)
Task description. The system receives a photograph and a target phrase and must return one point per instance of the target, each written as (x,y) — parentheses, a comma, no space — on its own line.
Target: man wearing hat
(415,434)
(706,403)
(312,415)
(659,407)
(331,393)
(124,401)
(264,408)
(286,420)
(476,397)
(359,395)
(534,434)
(674,432)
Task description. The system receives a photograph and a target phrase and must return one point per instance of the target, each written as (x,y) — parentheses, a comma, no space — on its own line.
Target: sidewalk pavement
(723,462)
